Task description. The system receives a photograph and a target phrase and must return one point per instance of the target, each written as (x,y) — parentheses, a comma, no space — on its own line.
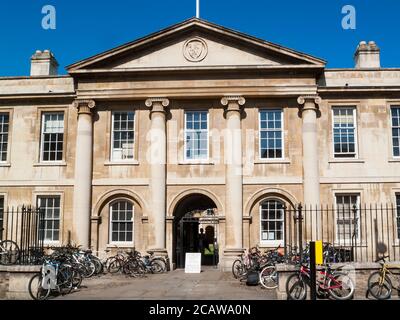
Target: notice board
(193,263)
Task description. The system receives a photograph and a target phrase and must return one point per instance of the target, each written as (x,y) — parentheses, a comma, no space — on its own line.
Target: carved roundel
(195,49)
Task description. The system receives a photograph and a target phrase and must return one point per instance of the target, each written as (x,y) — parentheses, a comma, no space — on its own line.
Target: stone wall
(14,281)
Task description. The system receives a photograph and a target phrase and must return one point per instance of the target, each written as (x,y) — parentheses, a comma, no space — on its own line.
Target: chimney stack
(367,56)
(43,64)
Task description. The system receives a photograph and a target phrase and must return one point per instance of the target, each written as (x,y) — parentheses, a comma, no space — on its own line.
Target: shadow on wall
(381,248)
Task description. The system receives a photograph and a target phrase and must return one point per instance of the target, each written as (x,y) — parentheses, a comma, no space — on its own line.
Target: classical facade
(202,121)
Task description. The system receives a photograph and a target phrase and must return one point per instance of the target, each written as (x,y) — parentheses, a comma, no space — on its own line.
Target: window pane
(123,135)
(196,133)
(1,216)
(51,207)
(344,132)
(272,220)
(121,223)
(52,136)
(347,217)
(271,145)
(395,111)
(4,119)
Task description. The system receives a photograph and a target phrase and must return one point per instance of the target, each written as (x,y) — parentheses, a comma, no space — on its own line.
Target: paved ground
(211,284)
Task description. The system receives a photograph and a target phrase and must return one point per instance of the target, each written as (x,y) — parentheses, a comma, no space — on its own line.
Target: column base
(229,256)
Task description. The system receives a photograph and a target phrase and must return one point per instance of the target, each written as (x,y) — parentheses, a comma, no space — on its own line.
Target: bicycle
(9,252)
(268,274)
(379,282)
(152,265)
(334,283)
(249,260)
(115,263)
(67,278)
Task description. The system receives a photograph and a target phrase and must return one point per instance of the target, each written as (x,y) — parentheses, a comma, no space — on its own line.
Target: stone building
(196,118)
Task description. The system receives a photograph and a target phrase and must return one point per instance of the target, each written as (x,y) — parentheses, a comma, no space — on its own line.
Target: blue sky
(88,27)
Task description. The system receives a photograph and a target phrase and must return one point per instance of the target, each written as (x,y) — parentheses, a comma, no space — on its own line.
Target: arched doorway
(192,214)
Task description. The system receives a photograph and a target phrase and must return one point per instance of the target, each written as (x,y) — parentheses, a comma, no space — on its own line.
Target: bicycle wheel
(141,269)
(76,279)
(106,263)
(238,269)
(90,269)
(341,286)
(97,263)
(65,279)
(161,262)
(379,289)
(129,267)
(114,266)
(269,277)
(10,254)
(36,291)
(296,288)
(156,266)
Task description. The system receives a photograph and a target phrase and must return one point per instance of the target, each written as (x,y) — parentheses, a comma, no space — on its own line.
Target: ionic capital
(154,102)
(84,106)
(233,102)
(235,99)
(309,102)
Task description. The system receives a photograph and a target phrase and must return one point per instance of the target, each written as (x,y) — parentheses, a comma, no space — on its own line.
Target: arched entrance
(193,215)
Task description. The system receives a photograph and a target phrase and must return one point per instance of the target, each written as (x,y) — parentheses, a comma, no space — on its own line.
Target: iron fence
(25,227)
(360,233)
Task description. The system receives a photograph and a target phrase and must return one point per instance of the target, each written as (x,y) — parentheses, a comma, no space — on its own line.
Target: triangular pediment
(195,43)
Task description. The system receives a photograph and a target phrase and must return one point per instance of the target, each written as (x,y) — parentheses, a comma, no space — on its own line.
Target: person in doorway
(203,243)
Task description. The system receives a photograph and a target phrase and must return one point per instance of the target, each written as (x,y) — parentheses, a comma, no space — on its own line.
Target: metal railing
(359,233)
(26,227)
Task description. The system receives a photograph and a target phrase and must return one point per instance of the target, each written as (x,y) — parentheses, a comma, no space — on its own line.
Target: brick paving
(211,284)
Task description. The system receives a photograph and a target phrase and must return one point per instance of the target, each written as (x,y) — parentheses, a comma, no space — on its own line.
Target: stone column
(311,188)
(234,180)
(157,157)
(83,173)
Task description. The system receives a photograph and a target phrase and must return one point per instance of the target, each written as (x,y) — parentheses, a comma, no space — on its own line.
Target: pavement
(210,284)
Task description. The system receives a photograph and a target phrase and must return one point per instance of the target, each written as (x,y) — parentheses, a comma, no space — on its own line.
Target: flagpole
(198,9)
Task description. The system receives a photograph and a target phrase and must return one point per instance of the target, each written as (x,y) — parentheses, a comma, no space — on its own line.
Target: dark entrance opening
(191,214)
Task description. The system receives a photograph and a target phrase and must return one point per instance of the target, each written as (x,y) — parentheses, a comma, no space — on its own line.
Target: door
(187,239)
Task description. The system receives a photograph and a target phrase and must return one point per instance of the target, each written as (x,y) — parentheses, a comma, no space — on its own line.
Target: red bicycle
(334,283)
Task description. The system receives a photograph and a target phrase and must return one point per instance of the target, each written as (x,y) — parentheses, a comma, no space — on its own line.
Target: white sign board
(193,263)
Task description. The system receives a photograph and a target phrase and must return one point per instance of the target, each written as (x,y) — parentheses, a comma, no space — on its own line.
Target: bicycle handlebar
(382,259)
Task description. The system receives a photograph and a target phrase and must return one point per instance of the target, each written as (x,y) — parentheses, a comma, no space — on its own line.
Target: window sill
(346,244)
(272,161)
(199,162)
(122,163)
(51,243)
(394,160)
(5,164)
(346,160)
(120,245)
(50,164)
(271,243)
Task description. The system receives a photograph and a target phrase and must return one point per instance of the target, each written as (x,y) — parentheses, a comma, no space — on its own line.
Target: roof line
(188,23)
